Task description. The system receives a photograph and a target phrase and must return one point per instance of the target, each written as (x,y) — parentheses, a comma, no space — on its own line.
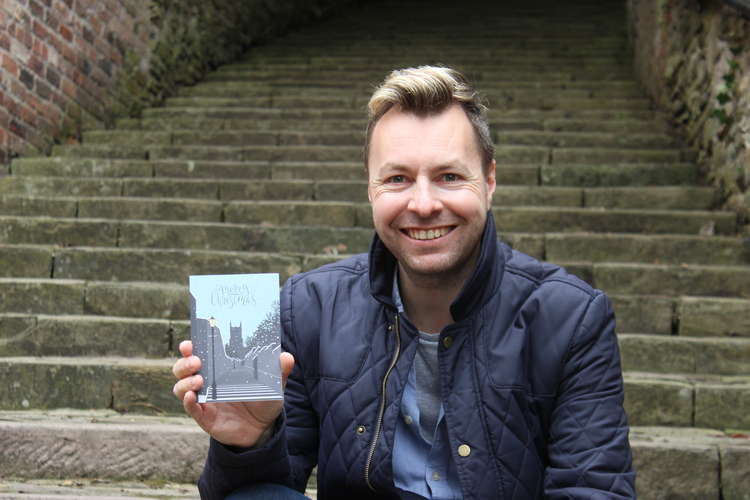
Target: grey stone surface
(104,449)
(656,401)
(714,316)
(735,468)
(690,472)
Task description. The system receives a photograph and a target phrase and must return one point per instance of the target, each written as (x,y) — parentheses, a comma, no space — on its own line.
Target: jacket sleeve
(588,448)
(289,456)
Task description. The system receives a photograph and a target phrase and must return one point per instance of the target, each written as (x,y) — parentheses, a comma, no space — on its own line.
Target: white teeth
(429,234)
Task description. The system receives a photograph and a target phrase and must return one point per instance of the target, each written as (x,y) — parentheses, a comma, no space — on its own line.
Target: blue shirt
(422,464)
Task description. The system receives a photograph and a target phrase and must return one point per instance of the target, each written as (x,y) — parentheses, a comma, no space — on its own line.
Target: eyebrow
(453,164)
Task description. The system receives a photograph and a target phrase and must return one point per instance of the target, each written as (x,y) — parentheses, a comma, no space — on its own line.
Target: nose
(424,201)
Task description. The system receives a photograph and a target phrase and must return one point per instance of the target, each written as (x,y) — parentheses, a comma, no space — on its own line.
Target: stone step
(316,115)
(716,402)
(73,336)
(503,153)
(358,56)
(584,139)
(685,355)
(622,174)
(350,102)
(264,237)
(175,265)
(664,279)
(525,174)
(143,386)
(667,249)
(511,219)
(67,231)
(26,261)
(273,138)
(173,449)
(169,265)
(318,83)
(133,385)
(528,72)
(28,289)
(70,487)
(38,300)
(191,123)
(101,445)
(692,464)
(81,318)
(201,199)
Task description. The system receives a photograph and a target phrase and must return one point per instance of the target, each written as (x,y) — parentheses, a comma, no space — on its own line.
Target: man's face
(428,192)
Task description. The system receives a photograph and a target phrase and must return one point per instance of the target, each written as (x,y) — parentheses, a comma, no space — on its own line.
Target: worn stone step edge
(104,232)
(173,449)
(701,462)
(96,316)
(42,234)
(70,487)
(548,138)
(144,386)
(509,174)
(27,195)
(658,314)
(684,355)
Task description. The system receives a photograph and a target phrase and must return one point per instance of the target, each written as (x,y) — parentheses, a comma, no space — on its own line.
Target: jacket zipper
(381,410)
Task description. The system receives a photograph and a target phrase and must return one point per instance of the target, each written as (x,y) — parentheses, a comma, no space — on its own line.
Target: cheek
(385,207)
(467,201)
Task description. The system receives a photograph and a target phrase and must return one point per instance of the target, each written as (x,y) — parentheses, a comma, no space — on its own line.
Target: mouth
(427,234)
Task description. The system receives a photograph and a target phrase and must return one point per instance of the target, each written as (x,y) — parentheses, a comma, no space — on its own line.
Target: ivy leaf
(723,98)
(720,115)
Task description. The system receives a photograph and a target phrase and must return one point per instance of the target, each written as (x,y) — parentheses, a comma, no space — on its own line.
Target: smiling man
(442,364)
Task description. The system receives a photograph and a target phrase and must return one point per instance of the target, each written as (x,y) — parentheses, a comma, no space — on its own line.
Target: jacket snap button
(360,429)
(390,327)
(464,450)
(447,342)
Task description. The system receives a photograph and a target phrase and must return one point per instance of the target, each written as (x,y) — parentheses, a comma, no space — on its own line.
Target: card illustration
(235,329)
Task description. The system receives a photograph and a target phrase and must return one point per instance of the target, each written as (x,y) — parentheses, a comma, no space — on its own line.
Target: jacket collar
(478,288)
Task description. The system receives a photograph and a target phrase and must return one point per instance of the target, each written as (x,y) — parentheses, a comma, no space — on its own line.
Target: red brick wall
(58,57)
(63,62)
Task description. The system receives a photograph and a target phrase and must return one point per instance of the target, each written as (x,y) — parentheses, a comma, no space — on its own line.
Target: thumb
(286,361)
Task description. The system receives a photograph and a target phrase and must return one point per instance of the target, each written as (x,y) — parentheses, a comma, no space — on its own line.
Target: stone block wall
(66,64)
(693,57)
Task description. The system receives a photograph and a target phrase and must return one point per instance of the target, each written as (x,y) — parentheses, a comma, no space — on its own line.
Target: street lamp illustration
(212,324)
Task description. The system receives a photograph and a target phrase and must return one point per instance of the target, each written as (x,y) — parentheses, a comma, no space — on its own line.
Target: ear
(491,182)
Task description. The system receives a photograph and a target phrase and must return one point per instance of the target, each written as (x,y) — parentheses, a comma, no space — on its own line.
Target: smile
(428,234)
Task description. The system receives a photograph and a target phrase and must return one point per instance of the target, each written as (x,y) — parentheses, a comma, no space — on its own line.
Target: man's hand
(241,424)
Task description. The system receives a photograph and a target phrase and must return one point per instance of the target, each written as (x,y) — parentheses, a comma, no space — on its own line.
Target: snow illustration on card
(235,328)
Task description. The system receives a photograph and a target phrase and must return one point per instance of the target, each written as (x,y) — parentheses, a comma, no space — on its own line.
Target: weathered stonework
(66,65)
(693,58)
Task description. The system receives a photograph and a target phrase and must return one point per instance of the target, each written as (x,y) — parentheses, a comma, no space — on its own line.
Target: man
(442,364)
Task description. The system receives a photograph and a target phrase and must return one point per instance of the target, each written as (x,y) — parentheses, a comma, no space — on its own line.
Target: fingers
(187,385)
(286,361)
(186,348)
(192,408)
(184,367)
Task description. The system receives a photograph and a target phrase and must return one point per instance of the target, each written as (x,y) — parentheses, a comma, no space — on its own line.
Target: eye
(450,177)
(396,179)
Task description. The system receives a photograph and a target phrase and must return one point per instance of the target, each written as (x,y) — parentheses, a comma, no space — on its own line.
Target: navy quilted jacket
(530,377)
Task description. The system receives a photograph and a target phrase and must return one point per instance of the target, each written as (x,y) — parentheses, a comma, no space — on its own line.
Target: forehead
(410,140)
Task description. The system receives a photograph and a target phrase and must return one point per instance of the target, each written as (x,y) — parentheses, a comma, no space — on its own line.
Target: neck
(427,300)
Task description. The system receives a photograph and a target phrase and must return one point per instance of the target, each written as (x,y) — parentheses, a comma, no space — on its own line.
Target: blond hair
(428,90)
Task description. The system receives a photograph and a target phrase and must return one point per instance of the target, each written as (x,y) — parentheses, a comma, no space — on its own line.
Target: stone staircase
(258,169)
